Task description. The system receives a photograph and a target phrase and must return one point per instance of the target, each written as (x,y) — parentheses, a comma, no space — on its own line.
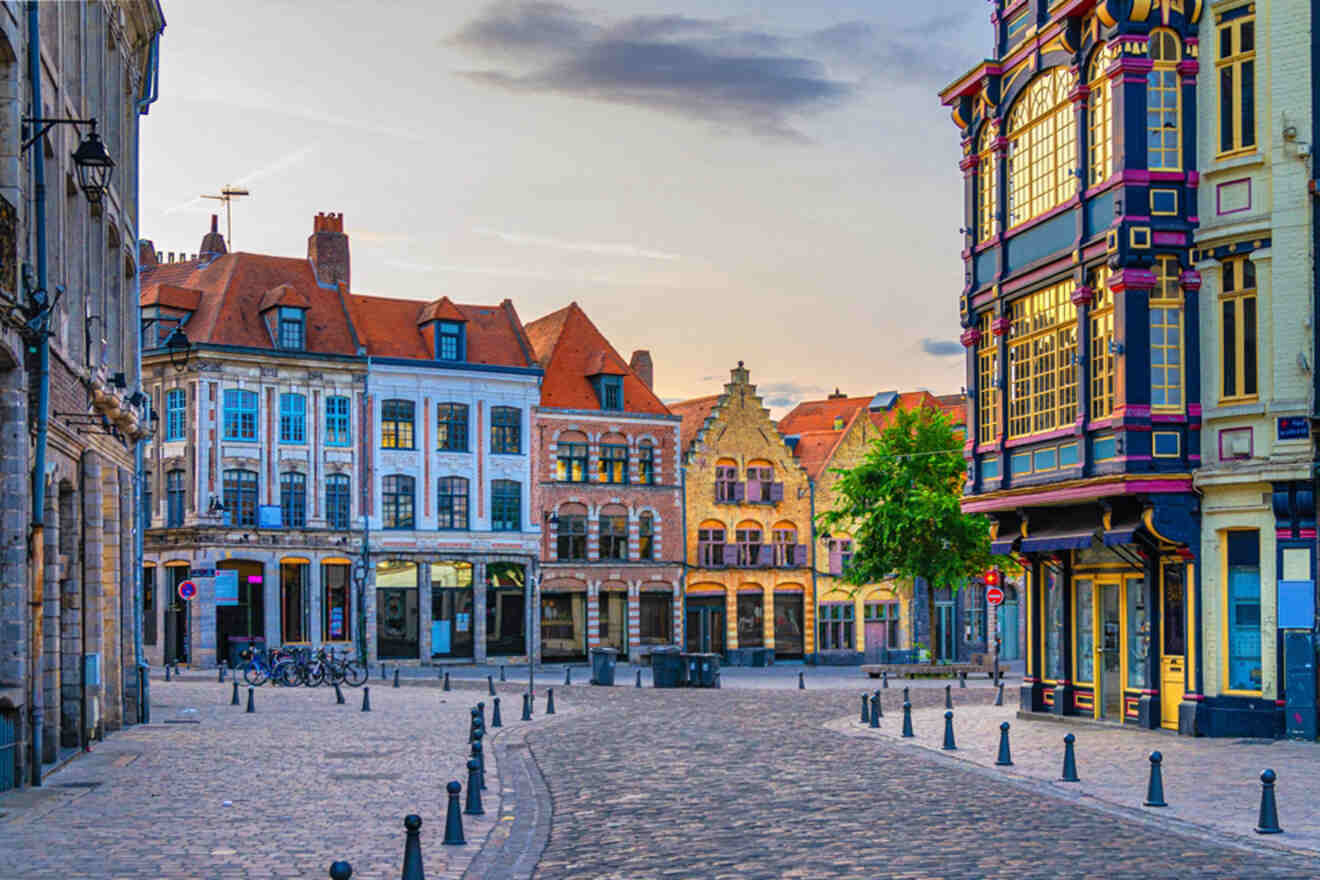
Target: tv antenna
(227,195)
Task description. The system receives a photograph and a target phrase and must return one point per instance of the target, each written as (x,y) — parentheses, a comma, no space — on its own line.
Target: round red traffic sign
(187,590)
(994,596)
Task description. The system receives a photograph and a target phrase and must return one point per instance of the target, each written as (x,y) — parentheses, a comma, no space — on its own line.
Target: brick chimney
(327,248)
(213,243)
(837,395)
(640,362)
(148,258)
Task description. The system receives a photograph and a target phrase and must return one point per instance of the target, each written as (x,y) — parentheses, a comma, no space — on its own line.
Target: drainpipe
(682,587)
(150,92)
(1315,254)
(811,486)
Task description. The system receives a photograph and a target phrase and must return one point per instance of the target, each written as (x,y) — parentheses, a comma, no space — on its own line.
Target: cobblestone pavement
(743,784)
(1213,784)
(309,781)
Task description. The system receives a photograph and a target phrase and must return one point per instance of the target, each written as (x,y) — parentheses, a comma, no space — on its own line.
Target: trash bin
(666,667)
(703,670)
(602,665)
(239,644)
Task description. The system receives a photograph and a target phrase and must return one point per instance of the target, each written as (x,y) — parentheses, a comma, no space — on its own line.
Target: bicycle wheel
(254,673)
(334,672)
(285,674)
(314,674)
(355,673)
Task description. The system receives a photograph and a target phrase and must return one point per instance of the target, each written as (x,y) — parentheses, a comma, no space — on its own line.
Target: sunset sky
(715,181)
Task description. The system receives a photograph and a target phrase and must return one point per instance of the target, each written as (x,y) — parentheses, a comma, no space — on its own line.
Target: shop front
(451,610)
(564,621)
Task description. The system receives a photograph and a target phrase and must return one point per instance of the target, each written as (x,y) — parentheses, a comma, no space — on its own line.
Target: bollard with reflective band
(550,701)
(495,715)
(1155,788)
(907,720)
(875,709)
(454,816)
(1268,823)
(1005,759)
(948,732)
(412,849)
(366,699)
(1069,760)
(251,707)
(473,806)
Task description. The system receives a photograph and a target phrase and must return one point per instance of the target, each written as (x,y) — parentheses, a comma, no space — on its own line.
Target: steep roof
(390,328)
(819,434)
(819,415)
(815,449)
(571,349)
(694,414)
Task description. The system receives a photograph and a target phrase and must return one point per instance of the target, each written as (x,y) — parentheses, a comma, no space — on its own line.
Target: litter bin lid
(604,651)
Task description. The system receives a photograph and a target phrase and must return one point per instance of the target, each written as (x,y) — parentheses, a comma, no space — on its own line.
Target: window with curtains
(1100,116)
(338,424)
(240,489)
(1102,340)
(396,424)
(293,500)
(1042,147)
(612,464)
(452,503)
(1166,335)
(987,185)
(398,502)
(293,418)
(645,536)
(174,498)
(987,375)
(176,414)
(749,546)
(451,427)
(1042,339)
(646,463)
(1235,63)
(1237,311)
(1163,125)
(571,465)
(505,506)
(240,414)
(505,430)
(338,504)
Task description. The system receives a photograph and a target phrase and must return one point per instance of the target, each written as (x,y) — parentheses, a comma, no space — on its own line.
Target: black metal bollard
(474,725)
(866,716)
(167,672)
(339,695)
(879,706)
(884,679)
(962,678)
(479,755)
(220,673)
(875,709)
(396,676)
(1268,823)
(473,806)
(948,732)
(233,701)
(527,709)
(383,673)
(1155,788)
(550,701)
(490,683)
(366,699)
(412,849)
(481,713)
(251,707)
(341,871)
(454,817)
(1069,760)
(1005,758)
(948,696)
(639,678)
(568,675)
(802,681)
(446,685)
(906,698)
(495,715)
(502,678)
(999,696)
(907,720)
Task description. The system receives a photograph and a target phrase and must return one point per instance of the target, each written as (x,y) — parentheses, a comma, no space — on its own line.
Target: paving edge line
(1193,830)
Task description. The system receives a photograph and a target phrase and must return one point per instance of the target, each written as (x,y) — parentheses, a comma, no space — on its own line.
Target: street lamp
(93,163)
(179,348)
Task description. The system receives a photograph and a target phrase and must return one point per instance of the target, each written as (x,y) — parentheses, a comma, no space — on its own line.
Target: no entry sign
(994,596)
(187,590)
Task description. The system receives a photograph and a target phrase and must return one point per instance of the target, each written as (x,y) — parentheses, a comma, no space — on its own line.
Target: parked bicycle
(300,665)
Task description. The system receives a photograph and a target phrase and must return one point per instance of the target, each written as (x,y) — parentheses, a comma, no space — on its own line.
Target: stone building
(68,273)
(749,527)
(606,486)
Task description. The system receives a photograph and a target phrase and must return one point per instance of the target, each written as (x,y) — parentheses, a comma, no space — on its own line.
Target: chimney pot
(328,251)
(215,222)
(641,364)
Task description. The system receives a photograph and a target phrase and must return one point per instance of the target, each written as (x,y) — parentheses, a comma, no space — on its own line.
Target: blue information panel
(1294,428)
(226,587)
(268,517)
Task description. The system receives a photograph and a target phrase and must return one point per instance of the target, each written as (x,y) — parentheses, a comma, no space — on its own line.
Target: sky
(711,180)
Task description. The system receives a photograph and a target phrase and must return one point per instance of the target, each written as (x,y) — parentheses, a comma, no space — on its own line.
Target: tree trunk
(930,611)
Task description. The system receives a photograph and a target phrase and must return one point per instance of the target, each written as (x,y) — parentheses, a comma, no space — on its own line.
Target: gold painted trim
(1140,10)
(1113,480)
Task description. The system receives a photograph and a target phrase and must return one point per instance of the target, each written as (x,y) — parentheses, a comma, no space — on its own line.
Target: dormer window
(609,391)
(449,341)
(293,336)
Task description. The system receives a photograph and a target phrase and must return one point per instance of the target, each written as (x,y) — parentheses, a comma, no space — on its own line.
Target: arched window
(614,533)
(711,544)
(1100,117)
(987,185)
(397,502)
(646,463)
(1163,132)
(1042,147)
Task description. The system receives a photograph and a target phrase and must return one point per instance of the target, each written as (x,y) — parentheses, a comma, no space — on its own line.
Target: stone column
(677,611)
(424,611)
(128,605)
(315,593)
(108,607)
(70,621)
(593,615)
(369,603)
(479,610)
(93,562)
(50,631)
(271,601)
(634,620)
(768,617)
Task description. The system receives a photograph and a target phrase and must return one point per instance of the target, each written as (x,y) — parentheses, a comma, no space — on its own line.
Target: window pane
(1248,104)
(1225,109)
(1085,631)
(1138,633)
(1053,625)
(1228,351)
(1249,345)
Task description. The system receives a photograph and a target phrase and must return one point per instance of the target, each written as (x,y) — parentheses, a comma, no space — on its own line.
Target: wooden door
(1173,644)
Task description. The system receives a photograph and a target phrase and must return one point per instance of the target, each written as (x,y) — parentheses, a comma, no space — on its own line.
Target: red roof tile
(441,310)
(390,328)
(571,349)
(694,413)
(815,449)
(820,415)
(284,295)
(172,296)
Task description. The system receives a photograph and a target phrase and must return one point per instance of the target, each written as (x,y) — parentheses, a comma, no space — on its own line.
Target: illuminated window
(1166,336)
(1237,310)
(1102,340)
(396,424)
(1236,62)
(1100,117)
(1042,147)
(987,372)
(987,186)
(1042,340)
(1163,133)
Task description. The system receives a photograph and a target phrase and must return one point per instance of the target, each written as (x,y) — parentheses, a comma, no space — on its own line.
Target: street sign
(994,596)
(187,590)
(226,587)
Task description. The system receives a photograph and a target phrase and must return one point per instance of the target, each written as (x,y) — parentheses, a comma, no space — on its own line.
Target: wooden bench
(927,670)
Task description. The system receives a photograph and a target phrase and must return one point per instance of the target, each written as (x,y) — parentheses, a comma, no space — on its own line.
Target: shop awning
(1003,546)
(1060,539)
(1122,532)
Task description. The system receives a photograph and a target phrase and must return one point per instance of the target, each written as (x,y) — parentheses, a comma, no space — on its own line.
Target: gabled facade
(607,490)
(749,526)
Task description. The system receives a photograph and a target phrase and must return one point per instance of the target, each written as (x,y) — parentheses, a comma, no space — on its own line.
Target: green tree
(901,507)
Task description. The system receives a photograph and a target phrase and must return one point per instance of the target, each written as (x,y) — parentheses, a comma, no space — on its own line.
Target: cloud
(591,247)
(700,69)
(781,402)
(581,277)
(941,347)
(275,166)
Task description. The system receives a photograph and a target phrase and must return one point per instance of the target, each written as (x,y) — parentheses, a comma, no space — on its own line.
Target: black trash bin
(602,665)
(703,670)
(239,644)
(667,667)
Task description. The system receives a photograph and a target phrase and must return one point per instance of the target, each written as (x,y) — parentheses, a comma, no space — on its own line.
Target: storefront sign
(1294,428)
(226,587)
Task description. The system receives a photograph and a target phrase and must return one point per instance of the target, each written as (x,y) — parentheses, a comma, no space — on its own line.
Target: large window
(657,618)
(396,424)
(451,508)
(293,418)
(338,423)
(293,499)
(397,502)
(836,626)
(148,604)
(451,427)
(613,463)
(1102,344)
(451,609)
(987,381)
(760,485)
(240,414)
(987,186)
(726,483)
(505,506)
(841,554)
(751,619)
(571,466)
(1053,595)
(1243,611)
(292,335)
(1237,309)
(240,488)
(505,430)
(449,341)
(785,540)
(1235,61)
(336,624)
(710,548)
(1100,116)
(176,414)
(1163,128)
(646,463)
(1042,339)
(1166,336)
(614,537)
(338,505)
(1084,626)
(293,601)
(571,542)
(1138,632)
(174,499)
(645,536)
(750,541)
(1042,147)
